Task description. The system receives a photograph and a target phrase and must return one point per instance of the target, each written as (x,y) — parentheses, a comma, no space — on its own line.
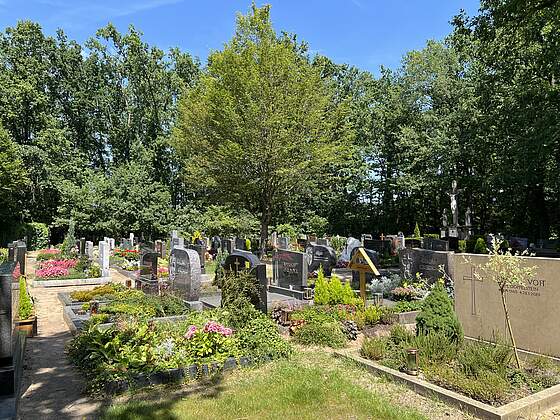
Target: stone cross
(453,196)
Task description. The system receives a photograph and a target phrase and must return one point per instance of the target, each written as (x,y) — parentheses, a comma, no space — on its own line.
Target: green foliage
(408,306)
(105,291)
(67,248)
(462,245)
(314,225)
(399,334)
(373,348)
(321,334)
(286,230)
(259,80)
(3,255)
(417,232)
(239,290)
(438,315)
(333,292)
(476,358)
(224,221)
(480,246)
(25,306)
(372,315)
(259,337)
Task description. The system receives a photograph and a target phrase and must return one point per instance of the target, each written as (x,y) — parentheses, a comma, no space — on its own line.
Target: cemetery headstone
(104,253)
(424,261)
(381,246)
(321,255)
(412,243)
(228,245)
(240,244)
(11,251)
(185,272)
(274,240)
(289,269)
(312,238)
(20,256)
(283,242)
(351,244)
(158,244)
(148,264)
(177,242)
(518,244)
(201,250)
(131,238)
(365,237)
(6,328)
(246,261)
(302,242)
(82,249)
(323,241)
(89,250)
(435,244)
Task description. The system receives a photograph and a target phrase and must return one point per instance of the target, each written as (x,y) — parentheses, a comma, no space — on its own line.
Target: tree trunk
(265,221)
(503,294)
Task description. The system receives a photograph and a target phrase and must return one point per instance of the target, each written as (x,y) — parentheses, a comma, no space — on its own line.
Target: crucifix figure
(473,278)
(468,214)
(444,218)
(453,196)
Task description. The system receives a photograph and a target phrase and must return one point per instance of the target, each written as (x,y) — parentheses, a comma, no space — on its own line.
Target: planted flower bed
(58,267)
(140,352)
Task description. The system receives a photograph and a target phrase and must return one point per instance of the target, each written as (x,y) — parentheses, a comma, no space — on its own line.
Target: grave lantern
(307,293)
(412,362)
(378,299)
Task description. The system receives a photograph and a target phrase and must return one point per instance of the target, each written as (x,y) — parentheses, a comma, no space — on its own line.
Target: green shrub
(387,315)
(417,231)
(477,358)
(400,335)
(69,241)
(37,235)
(260,338)
(462,245)
(432,235)
(480,246)
(321,334)
(25,307)
(374,348)
(3,255)
(105,290)
(321,294)
(372,315)
(438,315)
(405,306)
(434,347)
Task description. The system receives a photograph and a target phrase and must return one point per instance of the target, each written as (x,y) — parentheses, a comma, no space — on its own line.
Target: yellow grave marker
(361,263)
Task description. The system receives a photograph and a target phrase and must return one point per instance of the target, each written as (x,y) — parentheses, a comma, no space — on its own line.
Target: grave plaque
(435,244)
(184,272)
(320,255)
(290,269)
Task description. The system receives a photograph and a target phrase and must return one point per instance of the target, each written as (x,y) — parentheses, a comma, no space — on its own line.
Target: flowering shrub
(129,254)
(211,340)
(55,268)
(163,272)
(403,293)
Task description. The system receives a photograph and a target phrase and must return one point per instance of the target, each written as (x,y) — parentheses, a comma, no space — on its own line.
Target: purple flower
(190,332)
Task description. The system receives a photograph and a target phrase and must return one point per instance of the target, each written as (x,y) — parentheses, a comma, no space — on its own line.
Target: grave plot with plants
(136,352)
(52,264)
(486,372)
(127,259)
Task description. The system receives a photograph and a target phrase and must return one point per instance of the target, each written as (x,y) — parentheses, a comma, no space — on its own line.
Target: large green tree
(255,131)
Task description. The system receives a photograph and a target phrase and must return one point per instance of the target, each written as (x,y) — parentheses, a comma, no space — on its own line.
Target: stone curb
(527,406)
(71,282)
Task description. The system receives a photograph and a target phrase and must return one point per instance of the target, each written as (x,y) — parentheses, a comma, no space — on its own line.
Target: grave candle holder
(412,362)
(307,293)
(128,283)
(378,299)
(94,307)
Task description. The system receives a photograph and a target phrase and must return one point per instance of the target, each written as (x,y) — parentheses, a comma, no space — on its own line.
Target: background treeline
(106,133)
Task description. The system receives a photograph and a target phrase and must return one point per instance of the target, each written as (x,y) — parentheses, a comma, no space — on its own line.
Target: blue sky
(360,32)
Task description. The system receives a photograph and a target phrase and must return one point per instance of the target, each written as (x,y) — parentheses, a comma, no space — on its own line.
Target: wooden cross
(472,278)
(361,263)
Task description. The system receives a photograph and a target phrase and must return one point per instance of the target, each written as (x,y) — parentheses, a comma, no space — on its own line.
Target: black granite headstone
(20,254)
(435,244)
(381,246)
(321,255)
(241,244)
(290,269)
(228,245)
(148,264)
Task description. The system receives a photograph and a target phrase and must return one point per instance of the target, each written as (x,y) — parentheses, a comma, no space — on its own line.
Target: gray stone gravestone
(425,262)
(283,242)
(6,328)
(148,264)
(228,245)
(104,253)
(241,244)
(177,242)
(323,241)
(89,250)
(201,249)
(185,274)
(320,255)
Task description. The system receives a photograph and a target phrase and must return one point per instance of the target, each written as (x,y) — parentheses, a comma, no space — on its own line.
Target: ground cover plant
(127,259)
(104,292)
(129,347)
(483,371)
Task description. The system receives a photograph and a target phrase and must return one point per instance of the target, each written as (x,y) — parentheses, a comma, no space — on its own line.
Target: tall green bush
(480,246)
(321,288)
(37,235)
(437,315)
(69,240)
(333,292)
(25,307)
(417,231)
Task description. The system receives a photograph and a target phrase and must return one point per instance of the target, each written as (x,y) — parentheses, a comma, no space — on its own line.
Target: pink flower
(213,326)
(190,332)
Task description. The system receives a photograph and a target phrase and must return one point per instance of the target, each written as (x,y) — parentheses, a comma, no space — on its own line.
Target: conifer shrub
(480,246)
(25,307)
(438,315)
(417,231)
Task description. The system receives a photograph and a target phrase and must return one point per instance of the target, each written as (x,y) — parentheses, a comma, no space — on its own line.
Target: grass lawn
(309,386)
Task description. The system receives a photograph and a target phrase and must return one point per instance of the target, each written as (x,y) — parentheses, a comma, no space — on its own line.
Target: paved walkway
(52,388)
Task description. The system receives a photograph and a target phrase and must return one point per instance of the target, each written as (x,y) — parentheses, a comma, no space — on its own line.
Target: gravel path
(51,387)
